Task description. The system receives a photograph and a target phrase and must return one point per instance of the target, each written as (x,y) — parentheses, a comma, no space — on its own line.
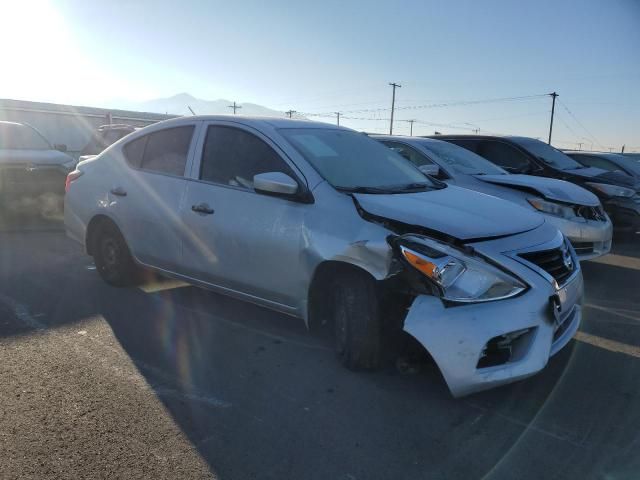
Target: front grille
(30,181)
(591,213)
(583,248)
(556,262)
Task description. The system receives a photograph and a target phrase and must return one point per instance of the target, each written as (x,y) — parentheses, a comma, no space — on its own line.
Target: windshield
(548,154)
(349,160)
(14,136)
(460,160)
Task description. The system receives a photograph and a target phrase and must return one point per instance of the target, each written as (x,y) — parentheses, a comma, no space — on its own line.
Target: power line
(591,135)
(448,104)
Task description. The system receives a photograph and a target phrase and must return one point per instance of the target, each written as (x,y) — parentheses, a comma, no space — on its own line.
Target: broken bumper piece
(485,345)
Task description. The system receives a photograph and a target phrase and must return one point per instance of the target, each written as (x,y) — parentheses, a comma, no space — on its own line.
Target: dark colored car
(32,171)
(103,137)
(617,191)
(612,162)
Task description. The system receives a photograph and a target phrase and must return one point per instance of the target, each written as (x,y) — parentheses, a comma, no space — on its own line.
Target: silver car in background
(326,224)
(575,211)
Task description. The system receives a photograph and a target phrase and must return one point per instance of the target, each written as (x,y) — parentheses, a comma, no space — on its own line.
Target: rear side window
(232,157)
(133,151)
(504,155)
(164,151)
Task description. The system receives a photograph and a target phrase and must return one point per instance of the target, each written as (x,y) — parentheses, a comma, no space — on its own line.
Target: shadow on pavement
(259,397)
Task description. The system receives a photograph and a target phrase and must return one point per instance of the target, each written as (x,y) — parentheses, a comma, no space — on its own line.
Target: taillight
(71,176)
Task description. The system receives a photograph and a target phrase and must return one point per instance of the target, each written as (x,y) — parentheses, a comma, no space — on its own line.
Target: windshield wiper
(404,188)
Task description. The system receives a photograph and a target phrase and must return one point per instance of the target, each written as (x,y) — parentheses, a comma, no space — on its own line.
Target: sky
(454,60)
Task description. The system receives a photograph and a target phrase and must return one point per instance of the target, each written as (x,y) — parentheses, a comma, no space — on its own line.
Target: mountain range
(179,105)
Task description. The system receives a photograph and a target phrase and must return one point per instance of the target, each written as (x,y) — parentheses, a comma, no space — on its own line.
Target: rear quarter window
(134,151)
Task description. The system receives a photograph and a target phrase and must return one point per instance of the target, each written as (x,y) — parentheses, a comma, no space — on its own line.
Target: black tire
(357,320)
(112,257)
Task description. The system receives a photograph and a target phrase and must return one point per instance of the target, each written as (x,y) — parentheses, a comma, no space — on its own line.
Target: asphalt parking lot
(170,381)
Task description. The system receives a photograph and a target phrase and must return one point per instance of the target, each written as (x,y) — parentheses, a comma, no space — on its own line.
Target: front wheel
(112,257)
(356,313)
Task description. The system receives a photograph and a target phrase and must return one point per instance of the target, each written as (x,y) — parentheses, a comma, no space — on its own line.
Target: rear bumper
(458,337)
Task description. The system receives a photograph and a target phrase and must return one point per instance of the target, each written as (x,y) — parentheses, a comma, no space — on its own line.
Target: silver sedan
(326,224)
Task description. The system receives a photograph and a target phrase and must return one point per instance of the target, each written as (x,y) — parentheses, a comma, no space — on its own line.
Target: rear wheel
(112,257)
(357,320)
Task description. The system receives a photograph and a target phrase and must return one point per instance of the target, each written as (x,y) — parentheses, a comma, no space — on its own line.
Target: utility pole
(393,105)
(235,107)
(622,151)
(191,110)
(338,117)
(579,145)
(476,131)
(290,113)
(553,109)
(411,127)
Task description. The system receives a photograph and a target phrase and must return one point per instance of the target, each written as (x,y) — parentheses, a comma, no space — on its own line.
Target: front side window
(409,153)
(592,161)
(232,156)
(460,159)
(504,155)
(547,154)
(15,136)
(351,160)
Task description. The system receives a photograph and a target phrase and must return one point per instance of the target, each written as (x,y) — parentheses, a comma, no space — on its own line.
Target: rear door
(236,238)
(150,195)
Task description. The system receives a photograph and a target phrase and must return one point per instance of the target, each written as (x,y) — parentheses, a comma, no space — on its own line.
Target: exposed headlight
(612,190)
(459,277)
(552,208)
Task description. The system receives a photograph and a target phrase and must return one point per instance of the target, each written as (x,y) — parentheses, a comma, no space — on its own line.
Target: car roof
(406,138)
(610,155)
(274,122)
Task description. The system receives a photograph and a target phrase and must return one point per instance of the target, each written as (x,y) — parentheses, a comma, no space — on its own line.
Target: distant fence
(68,124)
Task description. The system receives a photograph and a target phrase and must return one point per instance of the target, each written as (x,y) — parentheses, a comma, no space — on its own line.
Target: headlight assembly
(458,277)
(612,190)
(552,208)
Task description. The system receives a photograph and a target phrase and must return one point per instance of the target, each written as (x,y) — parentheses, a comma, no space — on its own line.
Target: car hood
(604,176)
(549,188)
(33,157)
(456,212)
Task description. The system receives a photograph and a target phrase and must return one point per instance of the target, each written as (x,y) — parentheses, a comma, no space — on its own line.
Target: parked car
(611,162)
(32,172)
(324,223)
(633,156)
(576,212)
(617,192)
(103,137)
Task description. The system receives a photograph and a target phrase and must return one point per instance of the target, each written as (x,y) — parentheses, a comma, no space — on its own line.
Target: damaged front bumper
(590,238)
(484,345)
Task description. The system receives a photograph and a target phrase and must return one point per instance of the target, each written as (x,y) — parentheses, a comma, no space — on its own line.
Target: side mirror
(61,147)
(430,169)
(275,183)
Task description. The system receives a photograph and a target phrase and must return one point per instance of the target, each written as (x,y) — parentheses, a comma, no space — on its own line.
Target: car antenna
(191,110)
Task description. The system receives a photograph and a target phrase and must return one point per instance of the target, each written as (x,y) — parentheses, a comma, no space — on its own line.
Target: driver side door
(241,241)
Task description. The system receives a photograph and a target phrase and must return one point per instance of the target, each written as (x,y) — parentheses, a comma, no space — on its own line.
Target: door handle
(119,191)
(202,208)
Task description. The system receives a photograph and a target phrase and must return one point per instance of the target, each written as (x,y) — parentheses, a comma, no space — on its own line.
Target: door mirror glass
(430,169)
(275,183)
